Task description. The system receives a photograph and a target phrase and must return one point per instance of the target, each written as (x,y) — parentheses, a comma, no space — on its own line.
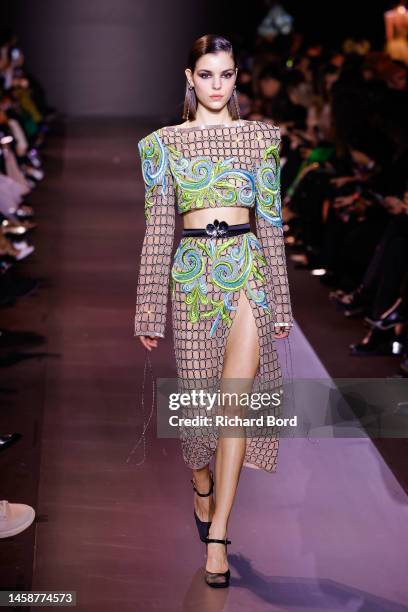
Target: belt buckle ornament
(216,229)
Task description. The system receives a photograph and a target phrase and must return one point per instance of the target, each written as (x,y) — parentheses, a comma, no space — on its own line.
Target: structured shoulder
(154,161)
(148,139)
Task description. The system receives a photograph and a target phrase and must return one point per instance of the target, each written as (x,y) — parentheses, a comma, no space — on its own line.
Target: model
(229,287)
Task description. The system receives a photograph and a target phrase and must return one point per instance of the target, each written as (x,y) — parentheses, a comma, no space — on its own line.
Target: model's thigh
(241,355)
(241,359)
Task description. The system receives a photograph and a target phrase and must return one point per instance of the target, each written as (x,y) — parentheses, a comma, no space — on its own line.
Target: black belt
(218,229)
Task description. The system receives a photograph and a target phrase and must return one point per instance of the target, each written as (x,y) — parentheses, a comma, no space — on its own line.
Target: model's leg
(241,359)
(204,506)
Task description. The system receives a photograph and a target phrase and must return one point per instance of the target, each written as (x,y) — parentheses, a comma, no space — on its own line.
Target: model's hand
(149,342)
(281,335)
(281,331)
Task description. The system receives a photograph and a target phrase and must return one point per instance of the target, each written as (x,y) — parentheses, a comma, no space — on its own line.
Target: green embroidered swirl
(268,201)
(230,271)
(155,168)
(201,182)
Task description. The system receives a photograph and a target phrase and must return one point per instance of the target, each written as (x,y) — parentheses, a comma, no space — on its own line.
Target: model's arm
(269,221)
(155,259)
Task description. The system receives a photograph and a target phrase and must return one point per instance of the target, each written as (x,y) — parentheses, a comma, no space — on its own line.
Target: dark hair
(209,43)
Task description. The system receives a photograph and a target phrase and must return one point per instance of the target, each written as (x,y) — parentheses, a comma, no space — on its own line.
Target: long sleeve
(155,258)
(269,221)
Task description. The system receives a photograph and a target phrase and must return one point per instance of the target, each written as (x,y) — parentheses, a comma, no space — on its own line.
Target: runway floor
(326,532)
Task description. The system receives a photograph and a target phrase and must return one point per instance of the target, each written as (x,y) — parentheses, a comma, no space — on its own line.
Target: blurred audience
(24,122)
(344,125)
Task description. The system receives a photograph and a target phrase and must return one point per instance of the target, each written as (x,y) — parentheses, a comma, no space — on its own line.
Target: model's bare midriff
(231,214)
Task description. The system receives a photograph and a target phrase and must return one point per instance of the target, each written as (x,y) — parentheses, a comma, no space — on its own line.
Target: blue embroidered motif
(229,271)
(268,198)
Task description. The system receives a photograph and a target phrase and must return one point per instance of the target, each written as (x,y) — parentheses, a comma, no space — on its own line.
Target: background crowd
(24,122)
(342,111)
(24,119)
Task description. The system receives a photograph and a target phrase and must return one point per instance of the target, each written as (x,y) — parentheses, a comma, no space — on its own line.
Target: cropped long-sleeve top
(211,166)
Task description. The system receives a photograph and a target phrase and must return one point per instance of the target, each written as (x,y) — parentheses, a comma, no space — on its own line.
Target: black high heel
(203,526)
(218,580)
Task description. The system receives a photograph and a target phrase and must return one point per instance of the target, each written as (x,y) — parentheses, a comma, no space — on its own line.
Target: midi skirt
(206,279)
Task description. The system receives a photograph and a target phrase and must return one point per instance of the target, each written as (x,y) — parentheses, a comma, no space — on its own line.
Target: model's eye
(228,75)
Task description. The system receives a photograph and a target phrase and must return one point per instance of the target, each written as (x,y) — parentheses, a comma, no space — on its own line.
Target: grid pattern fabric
(200,358)
(211,167)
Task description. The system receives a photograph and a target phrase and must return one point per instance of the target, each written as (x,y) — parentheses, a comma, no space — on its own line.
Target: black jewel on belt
(216,228)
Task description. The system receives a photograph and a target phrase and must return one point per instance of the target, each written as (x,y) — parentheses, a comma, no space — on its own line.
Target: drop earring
(189,99)
(236,103)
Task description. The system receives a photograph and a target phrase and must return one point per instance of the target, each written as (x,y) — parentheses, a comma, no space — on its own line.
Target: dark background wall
(110,57)
(127,57)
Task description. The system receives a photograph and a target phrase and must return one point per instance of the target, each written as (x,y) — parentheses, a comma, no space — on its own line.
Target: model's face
(213,79)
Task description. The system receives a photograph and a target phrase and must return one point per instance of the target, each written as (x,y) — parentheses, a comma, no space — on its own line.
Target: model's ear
(188,74)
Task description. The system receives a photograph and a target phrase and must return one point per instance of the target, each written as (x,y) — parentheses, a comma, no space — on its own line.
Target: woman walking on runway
(229,288)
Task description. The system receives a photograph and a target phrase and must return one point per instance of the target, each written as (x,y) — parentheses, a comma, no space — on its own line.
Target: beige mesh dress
(214,166)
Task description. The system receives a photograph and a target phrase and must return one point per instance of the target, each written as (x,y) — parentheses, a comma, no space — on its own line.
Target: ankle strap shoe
(218,580)
(203,526)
